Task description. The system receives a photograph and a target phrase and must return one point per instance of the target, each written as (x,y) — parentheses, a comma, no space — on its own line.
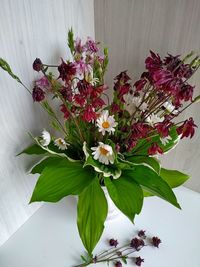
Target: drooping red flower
(98,103)
(89,114)
(187,129)
(137,243)
(185,93)
(172,62)
(65,110)
(156,241)
(153,62)
(38,94)
(123,77)
(164,127)
(37,64)
(66,71)
(115,108)
(139,261)
(84,88)
(124,89)
(97,91)
(162,77)
(139,85)
(66,92)
(80,99)
(139,130)
(154,149)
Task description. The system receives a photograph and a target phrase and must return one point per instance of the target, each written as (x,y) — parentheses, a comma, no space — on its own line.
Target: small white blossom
(133,102)
(137,102)
(170,108)
(106,123)
(46,138)
(165,140)
(153,119)
(103,153)
(60,143)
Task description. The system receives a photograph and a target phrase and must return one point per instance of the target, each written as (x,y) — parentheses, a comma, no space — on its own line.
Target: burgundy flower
(98,103)
(66,71)
(162,77)
(156,241)
(186,92)
(139,130)
(115,108)
(141,234)
(118,264)
(138,261)
(65,110)
(172,62)
(113,242)
(38,94)
(187,129)
(84,88)
(131,145)
(80,99)
(122,77)
(89,114)
(124,89)
(154,149)
(163,128)
(37,64)
(97,91)
(140,84)
(66,93)
(137,243)
(153,62)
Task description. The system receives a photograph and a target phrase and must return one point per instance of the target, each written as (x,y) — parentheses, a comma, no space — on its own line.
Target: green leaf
(126,194)
(51,161)
(174,178)
(92,212)
(34,149)
(56,182)
(153,183)
(5,66)
(197,99)
(150,161)
(71,40)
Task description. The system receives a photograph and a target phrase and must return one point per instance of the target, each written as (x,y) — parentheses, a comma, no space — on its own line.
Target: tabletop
(50,237)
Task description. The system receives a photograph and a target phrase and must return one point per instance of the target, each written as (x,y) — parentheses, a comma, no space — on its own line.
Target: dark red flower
(38,94)
(156,241)
(89,114)
(163,128)
(187,129)
(131,144)
(140,84)
(139,130)
(37,64)
(137,243)
(172,62)
(84,88)
(162,77)
(153,62)
(141,234)
(118,264)
(80,99)
(122,77)
(186,92)
(139,261)
(113,242)
(66,71)
(65,110)
(98,103)
(115,108)
(124,89)
(66,92)
(154,149)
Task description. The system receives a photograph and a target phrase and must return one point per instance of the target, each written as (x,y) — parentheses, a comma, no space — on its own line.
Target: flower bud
(37,64)
(38,94)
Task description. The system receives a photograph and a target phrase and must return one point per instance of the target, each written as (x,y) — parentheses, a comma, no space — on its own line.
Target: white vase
(113,211)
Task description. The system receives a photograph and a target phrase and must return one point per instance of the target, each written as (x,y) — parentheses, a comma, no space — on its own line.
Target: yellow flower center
(103,151)
(105,124)
(60,141)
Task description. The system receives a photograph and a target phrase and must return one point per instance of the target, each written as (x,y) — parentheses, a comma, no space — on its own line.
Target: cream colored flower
(106,123)
(153,119)
(46,138)
(165,140)
(103,153)
(133,102)
(60,143)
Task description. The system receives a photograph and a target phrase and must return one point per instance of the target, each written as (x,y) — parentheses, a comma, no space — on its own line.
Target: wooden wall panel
(130,28)
(29,29)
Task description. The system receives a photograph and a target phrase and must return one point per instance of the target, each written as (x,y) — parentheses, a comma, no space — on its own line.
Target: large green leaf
(67,178)
(152,182)
(33,149)
(150,161)
(92,212)
(126,194)
(50,161)
(173,178)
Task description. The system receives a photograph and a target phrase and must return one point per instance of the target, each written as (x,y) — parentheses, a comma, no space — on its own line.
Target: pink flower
(82,67)
(154,149)
(89,114)
(78,46)
(43,82)
(91,46)
(187,129)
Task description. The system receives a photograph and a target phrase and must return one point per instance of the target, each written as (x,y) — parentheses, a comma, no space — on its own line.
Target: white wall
(29,29)
(130,28)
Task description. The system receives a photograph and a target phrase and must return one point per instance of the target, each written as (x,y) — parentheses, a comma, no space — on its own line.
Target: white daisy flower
(103,153)
(46,138)
(153,119)
(106,123)
(165,140)
(60,143)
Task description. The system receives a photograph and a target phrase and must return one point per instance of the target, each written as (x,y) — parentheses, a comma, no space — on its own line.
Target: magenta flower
(79,48)
(118,264)
(91,46)
(98,103)
(43,82)
(38,94)
(187,129)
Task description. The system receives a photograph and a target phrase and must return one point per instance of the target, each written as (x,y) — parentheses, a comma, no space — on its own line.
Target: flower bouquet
(102,143)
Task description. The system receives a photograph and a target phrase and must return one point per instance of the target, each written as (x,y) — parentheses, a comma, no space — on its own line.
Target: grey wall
(130,28)
(29,29)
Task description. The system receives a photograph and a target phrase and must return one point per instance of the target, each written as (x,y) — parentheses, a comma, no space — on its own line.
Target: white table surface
(50,238)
